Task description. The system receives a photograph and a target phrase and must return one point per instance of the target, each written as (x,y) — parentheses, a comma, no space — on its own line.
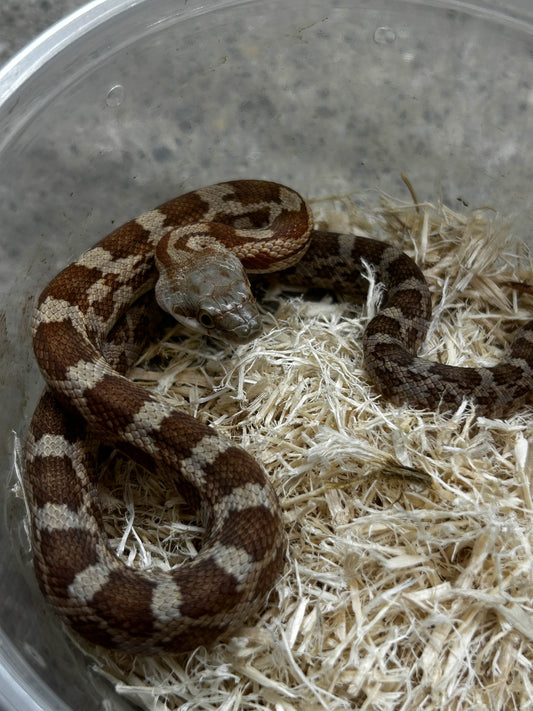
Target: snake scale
(84,329)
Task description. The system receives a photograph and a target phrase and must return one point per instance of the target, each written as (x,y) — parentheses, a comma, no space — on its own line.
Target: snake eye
(205,319)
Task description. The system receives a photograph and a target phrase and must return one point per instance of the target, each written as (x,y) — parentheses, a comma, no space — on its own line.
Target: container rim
(22,689)
(58,36)
(90,16)
(64,33)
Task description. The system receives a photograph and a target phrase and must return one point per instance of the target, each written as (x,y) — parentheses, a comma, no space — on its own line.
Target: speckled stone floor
(21,22)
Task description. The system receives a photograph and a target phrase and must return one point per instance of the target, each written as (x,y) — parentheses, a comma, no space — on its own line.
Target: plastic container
(127,103)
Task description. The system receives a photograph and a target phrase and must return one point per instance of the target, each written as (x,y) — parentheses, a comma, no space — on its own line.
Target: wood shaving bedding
(409,581)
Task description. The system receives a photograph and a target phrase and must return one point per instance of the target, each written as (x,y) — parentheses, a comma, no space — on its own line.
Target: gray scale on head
(204,286)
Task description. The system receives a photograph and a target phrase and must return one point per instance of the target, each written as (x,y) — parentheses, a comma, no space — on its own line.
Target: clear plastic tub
(128,103)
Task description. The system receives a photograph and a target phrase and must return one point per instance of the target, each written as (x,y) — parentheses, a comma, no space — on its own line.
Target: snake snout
(240,324)
(247,331)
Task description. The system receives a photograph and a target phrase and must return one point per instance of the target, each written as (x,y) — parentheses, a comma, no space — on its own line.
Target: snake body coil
(84,334)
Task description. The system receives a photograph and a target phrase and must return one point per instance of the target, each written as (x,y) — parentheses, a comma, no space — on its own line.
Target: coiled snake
(84,332)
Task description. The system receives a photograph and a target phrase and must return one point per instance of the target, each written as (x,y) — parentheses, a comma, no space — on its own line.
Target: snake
(198,253)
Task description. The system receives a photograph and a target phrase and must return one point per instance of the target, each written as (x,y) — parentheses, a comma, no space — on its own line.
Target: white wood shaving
(403,591)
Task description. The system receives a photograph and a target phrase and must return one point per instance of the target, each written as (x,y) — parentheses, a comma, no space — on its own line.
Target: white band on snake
(85,329)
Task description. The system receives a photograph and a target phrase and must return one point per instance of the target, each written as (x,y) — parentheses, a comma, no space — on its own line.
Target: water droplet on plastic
(384,35)
(115,96)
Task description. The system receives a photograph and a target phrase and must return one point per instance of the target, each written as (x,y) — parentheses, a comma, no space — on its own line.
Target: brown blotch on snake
(86,337)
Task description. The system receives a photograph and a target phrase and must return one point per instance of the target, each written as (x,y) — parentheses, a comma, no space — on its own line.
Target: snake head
(206,289)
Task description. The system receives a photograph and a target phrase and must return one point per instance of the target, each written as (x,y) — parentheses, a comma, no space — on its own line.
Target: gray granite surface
(21,22)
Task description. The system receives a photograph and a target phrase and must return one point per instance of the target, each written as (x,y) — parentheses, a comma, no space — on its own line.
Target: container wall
(164,96)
